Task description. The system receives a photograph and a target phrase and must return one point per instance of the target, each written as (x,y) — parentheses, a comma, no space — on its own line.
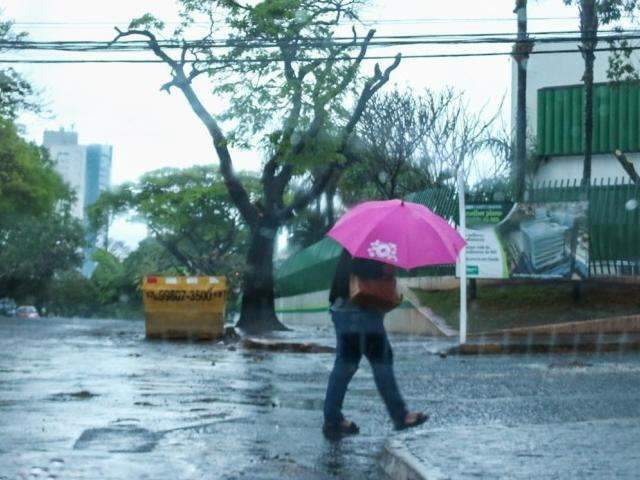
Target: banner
(528,240)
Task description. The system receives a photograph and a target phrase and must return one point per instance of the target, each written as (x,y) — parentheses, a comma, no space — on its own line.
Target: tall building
(97,180)
(87,170)
(98,172)
(70,161)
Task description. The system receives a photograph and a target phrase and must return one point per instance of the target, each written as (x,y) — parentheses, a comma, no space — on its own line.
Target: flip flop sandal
(337,431)
(419,420)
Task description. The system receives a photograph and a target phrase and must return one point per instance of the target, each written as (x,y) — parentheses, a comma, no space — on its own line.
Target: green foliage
(282,81)
(108,277)
(307,228)
(621,69)
(608,11)
(34,248)
(255,82)
(16,93)
(497,189)
(409,142)
(38,235)
(611,13)
(28,182)
(190,215)
(72,294)
(367,181)
(146,21)
(150,258)
(113,291)
(390,133)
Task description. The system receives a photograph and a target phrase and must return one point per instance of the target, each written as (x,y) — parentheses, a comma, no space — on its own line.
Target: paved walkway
(576,417)
(577,450)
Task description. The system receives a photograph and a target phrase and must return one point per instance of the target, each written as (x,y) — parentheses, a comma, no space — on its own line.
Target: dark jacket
(360,267)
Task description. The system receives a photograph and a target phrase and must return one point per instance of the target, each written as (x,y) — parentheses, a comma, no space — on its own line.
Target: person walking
(360,331)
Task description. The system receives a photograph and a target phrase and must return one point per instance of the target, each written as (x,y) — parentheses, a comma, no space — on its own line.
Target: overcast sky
(121,105)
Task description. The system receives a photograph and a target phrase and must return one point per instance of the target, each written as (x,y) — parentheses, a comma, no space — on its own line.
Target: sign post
(462,225)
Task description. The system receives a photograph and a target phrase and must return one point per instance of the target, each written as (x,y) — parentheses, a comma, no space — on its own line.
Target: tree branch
(371,86)
(237,192)
(273,190)
(627,166)
(320,113)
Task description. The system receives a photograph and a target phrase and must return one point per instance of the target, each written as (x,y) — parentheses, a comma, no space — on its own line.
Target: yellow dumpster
(184,307)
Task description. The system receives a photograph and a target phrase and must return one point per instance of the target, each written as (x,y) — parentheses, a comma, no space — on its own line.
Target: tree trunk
(257,312)
(628,166)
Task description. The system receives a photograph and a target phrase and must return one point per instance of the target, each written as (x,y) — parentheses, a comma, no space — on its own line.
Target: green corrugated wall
(616,119)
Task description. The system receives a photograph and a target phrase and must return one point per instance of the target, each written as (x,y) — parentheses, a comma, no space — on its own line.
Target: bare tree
(456,138)
(410,142)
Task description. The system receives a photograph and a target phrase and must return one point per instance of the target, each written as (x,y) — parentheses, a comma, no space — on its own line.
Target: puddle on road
(570,364)
(120,439)
(253,399)
(125,435)
(302,403)
(283,468)
(69,396)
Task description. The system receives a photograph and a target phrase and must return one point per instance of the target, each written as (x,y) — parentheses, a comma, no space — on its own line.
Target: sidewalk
(594,449)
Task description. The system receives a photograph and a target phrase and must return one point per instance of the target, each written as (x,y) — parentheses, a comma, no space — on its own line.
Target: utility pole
(521,51)
(589,36)
(462,259)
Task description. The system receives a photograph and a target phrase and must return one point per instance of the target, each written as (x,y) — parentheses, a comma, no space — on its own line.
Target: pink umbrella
(404,234)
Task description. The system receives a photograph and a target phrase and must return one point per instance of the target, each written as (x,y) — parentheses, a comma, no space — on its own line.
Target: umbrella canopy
(404,234)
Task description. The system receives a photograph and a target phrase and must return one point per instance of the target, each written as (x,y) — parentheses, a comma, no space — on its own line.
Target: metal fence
(614,220)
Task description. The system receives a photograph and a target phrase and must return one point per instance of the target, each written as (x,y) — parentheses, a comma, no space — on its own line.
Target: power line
(306,59)
(421,35)
(366,21)
(384,41)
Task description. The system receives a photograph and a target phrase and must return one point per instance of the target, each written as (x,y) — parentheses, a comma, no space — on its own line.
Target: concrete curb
(612,325)
(399,463)
(549,344)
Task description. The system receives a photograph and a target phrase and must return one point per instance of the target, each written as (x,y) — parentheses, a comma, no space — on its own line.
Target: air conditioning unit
(544,243)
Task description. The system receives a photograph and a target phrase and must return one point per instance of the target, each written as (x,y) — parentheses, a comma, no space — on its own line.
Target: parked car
(27,311)
(7,307)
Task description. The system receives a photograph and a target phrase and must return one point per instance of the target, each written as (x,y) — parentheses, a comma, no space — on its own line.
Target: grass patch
(522,305)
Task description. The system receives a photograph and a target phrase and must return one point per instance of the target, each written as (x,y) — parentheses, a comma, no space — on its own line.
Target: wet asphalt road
(92,399)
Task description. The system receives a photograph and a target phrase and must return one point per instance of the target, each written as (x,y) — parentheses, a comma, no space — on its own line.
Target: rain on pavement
(93,399)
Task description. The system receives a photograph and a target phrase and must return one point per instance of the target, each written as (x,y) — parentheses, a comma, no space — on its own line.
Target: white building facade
(546,70)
